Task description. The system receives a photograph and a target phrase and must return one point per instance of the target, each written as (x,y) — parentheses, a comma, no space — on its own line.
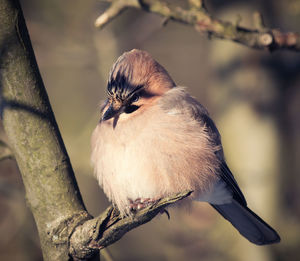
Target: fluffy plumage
(154,154)
(154,140)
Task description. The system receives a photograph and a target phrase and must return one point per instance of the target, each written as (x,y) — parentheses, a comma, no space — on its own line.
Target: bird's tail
(248,223)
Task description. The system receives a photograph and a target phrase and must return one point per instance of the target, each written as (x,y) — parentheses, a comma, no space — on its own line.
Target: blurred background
(253,96)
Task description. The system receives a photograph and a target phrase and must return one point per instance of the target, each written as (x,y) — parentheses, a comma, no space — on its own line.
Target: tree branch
(198,17)
(109,227)
(33,134)
(115,9)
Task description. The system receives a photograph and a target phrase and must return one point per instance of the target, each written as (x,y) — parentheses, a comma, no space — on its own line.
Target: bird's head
(135,81)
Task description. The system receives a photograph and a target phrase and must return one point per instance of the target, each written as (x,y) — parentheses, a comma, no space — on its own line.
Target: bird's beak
(113,109)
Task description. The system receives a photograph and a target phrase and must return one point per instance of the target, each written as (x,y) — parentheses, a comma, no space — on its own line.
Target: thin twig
(259,21)
(114,10)
(197,4)
(197,16)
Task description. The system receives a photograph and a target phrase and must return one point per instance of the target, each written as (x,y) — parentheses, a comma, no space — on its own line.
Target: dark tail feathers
(248,223)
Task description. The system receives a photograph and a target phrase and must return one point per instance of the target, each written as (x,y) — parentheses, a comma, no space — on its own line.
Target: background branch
(198,17)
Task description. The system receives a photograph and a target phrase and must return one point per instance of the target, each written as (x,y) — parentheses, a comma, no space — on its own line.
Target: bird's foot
(164,211)
(140,203)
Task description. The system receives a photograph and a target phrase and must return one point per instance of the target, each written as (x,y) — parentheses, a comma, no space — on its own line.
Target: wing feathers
(248,223)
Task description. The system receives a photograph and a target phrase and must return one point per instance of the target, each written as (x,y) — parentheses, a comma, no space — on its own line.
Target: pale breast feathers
(159,151)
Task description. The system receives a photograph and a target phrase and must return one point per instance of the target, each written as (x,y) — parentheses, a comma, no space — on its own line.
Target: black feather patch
(131,108)
(121,87)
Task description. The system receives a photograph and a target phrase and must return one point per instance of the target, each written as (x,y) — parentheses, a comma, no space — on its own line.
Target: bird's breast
(151,156)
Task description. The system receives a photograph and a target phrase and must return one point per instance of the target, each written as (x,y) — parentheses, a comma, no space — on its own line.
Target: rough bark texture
(110,226)
(197,16)
(29,123)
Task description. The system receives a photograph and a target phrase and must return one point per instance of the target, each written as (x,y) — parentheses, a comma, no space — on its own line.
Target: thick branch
(32,132)
(109,227)
(198,17)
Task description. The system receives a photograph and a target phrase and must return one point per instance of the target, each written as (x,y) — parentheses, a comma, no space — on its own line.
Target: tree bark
(51,189)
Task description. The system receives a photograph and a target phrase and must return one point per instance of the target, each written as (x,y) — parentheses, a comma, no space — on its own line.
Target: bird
(154,139)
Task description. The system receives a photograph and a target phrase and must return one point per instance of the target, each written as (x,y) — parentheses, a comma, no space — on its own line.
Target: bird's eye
(135,98)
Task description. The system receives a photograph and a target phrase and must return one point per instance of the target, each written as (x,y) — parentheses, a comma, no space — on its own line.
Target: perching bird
(154,140)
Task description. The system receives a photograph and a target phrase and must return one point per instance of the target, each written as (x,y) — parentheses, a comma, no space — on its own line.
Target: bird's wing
(189,106)
(249,224)
(227,176)
(224,172)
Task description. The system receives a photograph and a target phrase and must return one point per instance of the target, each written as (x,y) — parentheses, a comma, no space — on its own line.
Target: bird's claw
(140,203)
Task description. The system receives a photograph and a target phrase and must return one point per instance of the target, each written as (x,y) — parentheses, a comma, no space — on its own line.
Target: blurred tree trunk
(29,123)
